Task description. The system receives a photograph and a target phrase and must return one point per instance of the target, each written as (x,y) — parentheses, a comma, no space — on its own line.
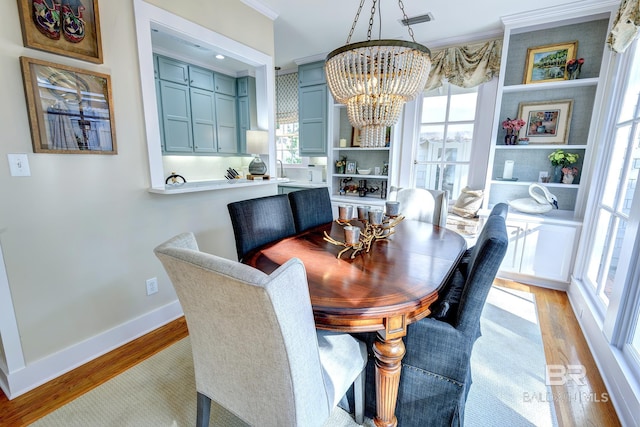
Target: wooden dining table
(382,290)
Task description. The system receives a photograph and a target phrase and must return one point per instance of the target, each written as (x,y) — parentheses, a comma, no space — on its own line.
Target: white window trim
(412,117)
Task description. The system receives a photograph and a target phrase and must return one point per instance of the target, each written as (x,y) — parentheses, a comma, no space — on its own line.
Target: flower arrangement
(570,171)
(513,125)
(342,162)
(562,158)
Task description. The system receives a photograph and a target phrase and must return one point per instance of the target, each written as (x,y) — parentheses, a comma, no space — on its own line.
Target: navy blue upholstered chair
(436,371)
(500,209)
(311,207)
(259,221)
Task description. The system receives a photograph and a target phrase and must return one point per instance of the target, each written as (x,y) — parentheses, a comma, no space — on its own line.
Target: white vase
(567,178)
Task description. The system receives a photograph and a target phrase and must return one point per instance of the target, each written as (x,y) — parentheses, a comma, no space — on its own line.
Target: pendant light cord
(371,20)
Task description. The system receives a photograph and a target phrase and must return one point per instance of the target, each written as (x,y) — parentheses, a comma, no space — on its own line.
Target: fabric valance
(626,26)
(466,66)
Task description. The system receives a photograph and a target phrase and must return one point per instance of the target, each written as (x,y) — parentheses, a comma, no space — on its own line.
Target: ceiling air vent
(417,19)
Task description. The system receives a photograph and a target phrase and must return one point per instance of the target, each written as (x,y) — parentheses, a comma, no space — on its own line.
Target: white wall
(77,235)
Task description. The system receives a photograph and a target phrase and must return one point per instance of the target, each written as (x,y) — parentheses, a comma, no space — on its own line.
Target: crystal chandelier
(375,78)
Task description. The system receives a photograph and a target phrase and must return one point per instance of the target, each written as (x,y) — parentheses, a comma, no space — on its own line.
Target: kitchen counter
(301,184)
(219,184)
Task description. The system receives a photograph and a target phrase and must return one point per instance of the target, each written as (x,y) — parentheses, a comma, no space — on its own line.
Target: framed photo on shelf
(547,122)
(70,109)
(351,167)
(548,63)
(70,29)
(355,137)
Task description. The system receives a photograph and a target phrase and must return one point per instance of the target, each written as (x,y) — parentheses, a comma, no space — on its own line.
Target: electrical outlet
(152,286)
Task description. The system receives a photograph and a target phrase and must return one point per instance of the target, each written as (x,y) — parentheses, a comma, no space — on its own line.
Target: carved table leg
(388,355)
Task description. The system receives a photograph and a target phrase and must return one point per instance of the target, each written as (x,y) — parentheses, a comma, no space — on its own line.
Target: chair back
(310,208)
(501,209)
(253,335)
(422,204)
(484,262)
(259,221)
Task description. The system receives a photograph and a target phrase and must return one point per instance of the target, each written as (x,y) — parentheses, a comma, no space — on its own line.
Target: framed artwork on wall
(65,27)
(548,63)
(70,109)
(547,122)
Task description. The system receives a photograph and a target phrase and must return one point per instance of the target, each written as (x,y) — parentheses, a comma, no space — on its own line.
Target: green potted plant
(561,159)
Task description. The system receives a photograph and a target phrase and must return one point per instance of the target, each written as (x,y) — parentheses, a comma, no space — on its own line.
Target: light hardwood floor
(564,344)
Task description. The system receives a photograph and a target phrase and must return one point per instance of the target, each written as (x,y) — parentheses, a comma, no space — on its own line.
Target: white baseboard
(44,370)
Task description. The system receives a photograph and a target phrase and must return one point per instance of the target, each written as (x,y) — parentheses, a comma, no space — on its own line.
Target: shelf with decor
(343,141)
(557,105)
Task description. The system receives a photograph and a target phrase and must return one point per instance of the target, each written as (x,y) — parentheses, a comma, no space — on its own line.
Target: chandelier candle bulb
(508,170)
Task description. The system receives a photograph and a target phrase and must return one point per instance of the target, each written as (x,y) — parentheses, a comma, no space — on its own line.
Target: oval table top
(399,276)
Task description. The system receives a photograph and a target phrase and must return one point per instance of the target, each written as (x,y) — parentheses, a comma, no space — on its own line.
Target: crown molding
(572,12)
(262,8)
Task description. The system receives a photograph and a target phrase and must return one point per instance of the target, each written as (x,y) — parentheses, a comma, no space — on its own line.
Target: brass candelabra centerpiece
(376,227)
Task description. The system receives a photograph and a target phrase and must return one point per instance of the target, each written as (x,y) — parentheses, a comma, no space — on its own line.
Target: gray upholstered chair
(256,351)
(422,204)
(259,221)
(436,370)
(311,207)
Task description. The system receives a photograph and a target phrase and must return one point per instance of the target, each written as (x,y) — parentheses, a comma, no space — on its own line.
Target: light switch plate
(19,165)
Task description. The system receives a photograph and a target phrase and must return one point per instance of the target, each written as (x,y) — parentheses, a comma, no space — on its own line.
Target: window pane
(609,279)
(597,251)
(463,107)
(454,179)
(614,172)
(632,177)
(430,145)
(633,90)
(287,143)
(434,109)
(427,176)
(459,138)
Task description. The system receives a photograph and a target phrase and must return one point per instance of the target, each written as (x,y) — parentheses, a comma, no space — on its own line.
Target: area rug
(508,368)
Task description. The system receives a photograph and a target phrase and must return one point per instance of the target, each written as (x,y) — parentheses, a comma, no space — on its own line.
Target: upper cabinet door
(225,84)
(176,117)
(311,74)
(312,116)
(204,121)
(226,124)
(173,71)
(200,78)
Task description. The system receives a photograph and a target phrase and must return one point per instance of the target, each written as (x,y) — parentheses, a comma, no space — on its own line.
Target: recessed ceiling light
(218,56)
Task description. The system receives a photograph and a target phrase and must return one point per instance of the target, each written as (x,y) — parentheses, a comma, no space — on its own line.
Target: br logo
(562,374)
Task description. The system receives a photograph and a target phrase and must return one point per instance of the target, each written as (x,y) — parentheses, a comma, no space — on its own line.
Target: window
(287,147)
(287,141)
(609,268)
(443,153)
(613,207)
